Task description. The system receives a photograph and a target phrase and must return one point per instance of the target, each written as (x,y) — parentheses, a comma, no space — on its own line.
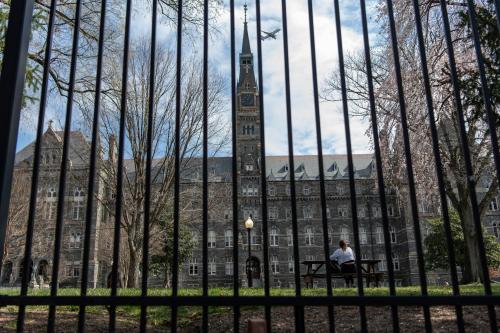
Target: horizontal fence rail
(158,167)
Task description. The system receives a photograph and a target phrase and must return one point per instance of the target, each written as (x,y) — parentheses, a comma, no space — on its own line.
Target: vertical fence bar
(350,164)
(92,168)
(299,324)
(471,182)
(409,162)
(149,158)
(175,266)
(234,166)
(379,165)
(263,177)
(439,165)
(120,167)
(36,166)
(494,140)
(11,93)
(321,168)
(486,97)
(64,168)
(205,165)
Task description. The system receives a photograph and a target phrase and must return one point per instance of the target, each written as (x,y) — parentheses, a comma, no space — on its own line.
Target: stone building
(309,217)
(46,214)
(220,235)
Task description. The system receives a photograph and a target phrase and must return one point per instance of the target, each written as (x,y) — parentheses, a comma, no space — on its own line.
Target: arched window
(309,236)
(392,232)
(496,229)
(273,213)
(382,265)
(193,266)
(344,233)
(308,213)
(390,210)
(291,265)
(361,211)
(289,237)
(274,241)
(78,193)
(363,239)
(229,265)
(272,191)
(211,239)
(51,193)
(228,238)
(275,265)
(395,262)
(342,211)
(330,235)
(306,190)
(379,235)
(494,204)
(212,267)
(74,240)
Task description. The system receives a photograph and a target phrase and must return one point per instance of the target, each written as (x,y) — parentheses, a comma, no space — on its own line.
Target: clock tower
(248,131)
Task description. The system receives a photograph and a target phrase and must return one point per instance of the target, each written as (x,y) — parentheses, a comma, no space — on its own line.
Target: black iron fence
(12,88)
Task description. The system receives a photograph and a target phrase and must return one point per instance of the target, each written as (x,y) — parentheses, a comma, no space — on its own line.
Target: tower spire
(245,49)
(245,8)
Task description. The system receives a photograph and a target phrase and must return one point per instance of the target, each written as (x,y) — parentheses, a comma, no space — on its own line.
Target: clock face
(247,99)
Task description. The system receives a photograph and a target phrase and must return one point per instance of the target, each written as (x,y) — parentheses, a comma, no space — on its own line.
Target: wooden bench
(369,274)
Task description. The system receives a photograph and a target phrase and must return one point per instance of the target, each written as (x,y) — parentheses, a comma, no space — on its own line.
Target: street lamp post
(249,226)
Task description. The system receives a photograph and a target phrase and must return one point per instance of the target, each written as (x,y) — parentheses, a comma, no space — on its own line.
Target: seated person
(344,256)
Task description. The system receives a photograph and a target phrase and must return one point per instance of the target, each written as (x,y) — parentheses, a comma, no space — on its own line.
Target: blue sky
(273,70)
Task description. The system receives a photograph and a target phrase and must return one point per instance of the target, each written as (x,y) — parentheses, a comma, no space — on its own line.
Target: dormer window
(247,86)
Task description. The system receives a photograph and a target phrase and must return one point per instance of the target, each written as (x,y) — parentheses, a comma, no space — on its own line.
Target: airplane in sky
(271,34)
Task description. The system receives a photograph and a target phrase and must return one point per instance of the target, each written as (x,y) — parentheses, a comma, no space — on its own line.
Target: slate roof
(79,146)
(220,168)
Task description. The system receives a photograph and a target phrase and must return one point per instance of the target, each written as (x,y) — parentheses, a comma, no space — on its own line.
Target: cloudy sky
(302,98)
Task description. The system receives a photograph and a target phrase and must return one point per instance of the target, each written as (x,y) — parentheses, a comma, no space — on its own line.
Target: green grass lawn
(158,316)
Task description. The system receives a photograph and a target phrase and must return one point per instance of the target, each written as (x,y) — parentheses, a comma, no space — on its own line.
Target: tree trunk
(133,267)
(472,263)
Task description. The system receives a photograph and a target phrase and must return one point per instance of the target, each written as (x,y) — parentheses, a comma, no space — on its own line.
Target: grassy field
(158,316)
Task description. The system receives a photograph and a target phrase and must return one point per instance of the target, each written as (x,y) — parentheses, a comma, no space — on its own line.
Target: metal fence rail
(11,94)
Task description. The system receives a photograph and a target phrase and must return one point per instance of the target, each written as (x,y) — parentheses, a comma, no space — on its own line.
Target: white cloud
(301,84)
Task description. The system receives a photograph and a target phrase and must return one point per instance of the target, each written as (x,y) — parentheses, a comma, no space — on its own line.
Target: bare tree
(18,207)
(388,112)
(163,149)
(89,35)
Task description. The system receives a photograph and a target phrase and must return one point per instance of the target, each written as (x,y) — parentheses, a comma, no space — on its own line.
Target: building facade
(220,229)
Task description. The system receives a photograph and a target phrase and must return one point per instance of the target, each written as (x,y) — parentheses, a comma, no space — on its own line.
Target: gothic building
(220,234)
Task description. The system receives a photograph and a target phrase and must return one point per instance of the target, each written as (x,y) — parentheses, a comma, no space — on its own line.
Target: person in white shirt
(344,256)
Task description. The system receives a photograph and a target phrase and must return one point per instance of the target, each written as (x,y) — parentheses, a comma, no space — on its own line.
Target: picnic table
(368,271)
